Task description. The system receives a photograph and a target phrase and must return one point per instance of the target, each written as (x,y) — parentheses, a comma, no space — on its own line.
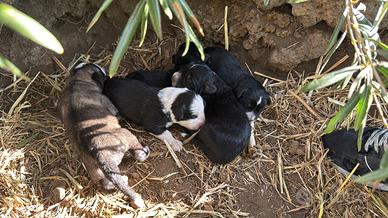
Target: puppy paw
(142,154)
(138,202)
(107,185)
(176,145)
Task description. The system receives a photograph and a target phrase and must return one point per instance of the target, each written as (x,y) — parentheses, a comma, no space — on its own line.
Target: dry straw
(287,168)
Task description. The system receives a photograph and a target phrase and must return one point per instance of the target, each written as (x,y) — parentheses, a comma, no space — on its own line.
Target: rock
(312,12)
(311,47)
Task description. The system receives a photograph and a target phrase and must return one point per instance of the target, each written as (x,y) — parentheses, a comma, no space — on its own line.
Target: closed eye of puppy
(156,109)
(90,120)
(227,130)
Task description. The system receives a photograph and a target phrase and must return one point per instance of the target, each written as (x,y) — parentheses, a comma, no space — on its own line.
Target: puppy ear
(175,78)
(99,78)
(240,92)
(210,89)
(207,56)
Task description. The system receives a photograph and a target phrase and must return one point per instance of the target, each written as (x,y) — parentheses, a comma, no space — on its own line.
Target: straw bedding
(286,174)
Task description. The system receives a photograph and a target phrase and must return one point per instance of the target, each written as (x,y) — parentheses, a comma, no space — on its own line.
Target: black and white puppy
(227,130)
(156,109)
(250,93)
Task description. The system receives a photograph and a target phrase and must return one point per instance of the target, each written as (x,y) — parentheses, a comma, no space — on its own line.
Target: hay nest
(285,174)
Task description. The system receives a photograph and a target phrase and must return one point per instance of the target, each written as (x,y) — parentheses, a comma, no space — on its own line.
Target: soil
(271,40)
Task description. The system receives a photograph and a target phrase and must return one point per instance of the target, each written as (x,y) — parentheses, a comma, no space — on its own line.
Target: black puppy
(156,109)
(227,130)
(249,92)
(156,78)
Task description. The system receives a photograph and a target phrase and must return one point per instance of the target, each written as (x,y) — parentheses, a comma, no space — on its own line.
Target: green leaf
(190,35)
(334,36)
(331,78)
(331,51)
(377,175)
(97,16)
(144,25)
(384,161)
(357,82)
(156,19)
(186,8)
(9,66)
(266,2)
(362,109)
(380,44)
(126,37)
(383,70)
(342,113)
(28,27)
(166,8)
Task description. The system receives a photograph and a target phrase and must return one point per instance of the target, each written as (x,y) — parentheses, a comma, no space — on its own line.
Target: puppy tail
(112,173)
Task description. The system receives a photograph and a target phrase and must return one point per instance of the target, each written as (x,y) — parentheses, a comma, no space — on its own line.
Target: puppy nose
(200,123)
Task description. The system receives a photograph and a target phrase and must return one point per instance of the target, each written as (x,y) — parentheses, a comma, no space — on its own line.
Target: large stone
(312,47)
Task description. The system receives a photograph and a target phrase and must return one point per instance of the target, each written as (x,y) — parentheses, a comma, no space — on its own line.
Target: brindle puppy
(94,131)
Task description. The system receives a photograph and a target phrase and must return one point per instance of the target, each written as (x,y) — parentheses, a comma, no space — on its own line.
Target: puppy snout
(198,124)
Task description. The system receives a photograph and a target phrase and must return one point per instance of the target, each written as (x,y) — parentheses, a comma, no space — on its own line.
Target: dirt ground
(286,175)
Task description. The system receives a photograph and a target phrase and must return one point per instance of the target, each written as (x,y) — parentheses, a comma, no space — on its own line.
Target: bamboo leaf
(9,66)
(97,16)
(29,28)
(156,19)
(193,19)
(377,175)
(342,114)
(144,25)
(330,79)
(166,8)
(126,37)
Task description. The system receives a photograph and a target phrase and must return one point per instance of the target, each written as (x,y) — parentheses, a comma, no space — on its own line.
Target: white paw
(142,154)
(138,202)
(176,145)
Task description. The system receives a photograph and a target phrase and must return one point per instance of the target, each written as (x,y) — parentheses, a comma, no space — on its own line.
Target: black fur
(156,78)
(246,88)
(137,102)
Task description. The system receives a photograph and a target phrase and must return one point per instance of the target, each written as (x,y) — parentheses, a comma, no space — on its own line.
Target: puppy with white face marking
(249,92)
(90,120)
(227,130)
(156,109)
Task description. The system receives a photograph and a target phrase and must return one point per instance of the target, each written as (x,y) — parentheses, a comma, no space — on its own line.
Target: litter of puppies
(92,104)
